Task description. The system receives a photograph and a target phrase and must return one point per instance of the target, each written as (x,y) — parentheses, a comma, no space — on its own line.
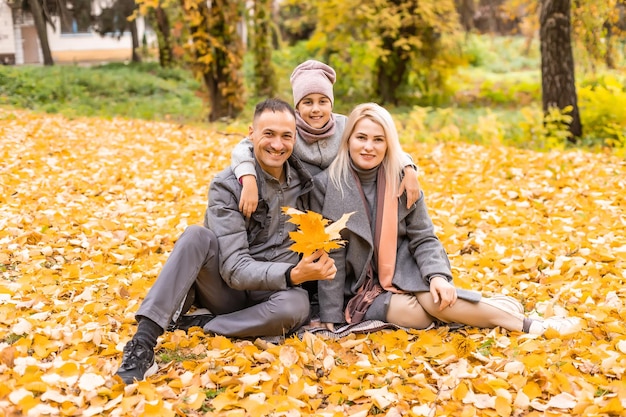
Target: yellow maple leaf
(464,346)
(314,231)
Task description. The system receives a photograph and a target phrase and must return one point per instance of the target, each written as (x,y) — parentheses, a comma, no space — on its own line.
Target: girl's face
(367,144)
(315,109)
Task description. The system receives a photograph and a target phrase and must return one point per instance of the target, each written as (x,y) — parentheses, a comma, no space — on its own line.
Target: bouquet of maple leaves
(314,232)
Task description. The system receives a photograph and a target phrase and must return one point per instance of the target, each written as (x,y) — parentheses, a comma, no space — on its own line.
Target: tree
(466,10)
(68,11)
(487,17)
(410,31)
(595,26)
(557,61)
(206,34)
(527,14)
(218,51)
(402,41)
(160,13)
(162,29)
(265,79)
(117,17)
(297,20)
(38,10)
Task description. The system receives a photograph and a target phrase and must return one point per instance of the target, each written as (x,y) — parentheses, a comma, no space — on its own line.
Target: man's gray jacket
(238,236)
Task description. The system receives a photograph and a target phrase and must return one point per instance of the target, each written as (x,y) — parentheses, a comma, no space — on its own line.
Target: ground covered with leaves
(91,208)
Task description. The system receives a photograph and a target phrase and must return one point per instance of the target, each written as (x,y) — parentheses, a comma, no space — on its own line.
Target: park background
(103,166)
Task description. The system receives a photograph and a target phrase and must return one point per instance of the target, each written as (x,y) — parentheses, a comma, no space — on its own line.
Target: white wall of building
(68,47)
(7,33)
(89,41)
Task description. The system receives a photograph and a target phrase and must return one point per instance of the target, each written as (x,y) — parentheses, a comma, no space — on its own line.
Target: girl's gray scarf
(311,134)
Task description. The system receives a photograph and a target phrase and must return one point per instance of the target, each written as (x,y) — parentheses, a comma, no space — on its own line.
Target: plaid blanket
(367,326)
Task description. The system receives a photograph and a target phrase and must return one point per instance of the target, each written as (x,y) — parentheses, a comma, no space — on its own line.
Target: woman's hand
(329,326)
(442,291)
(249,195)
(411,185)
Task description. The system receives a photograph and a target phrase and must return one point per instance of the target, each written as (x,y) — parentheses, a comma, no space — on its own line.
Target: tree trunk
(163,37)
(134,33)
(608,56)
(390,75)
(492,17)
(557,61)
(218,53)
(466,10)
(264,80)
(391,71)
(40,26)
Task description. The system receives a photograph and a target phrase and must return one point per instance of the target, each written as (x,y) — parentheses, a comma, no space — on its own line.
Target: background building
(19,43)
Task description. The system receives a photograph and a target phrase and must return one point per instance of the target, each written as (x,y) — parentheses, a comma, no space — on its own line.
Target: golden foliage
(215,50)
(89,211)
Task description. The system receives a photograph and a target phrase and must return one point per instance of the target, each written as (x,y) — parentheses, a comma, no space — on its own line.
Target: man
(240,269)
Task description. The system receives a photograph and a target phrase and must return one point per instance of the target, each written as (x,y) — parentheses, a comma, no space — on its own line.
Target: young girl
(394,268)
(319,133)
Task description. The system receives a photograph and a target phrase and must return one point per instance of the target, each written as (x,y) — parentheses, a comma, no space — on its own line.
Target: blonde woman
(394,268)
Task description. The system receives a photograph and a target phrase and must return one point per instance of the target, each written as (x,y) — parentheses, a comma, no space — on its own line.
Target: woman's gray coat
(420,254)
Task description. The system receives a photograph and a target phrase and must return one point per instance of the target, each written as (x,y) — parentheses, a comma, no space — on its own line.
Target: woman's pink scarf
(385,245)
(386,234)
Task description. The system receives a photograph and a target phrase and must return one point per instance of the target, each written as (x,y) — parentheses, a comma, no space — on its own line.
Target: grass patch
(138,91)
(212,393)
(502,54)
(168,355)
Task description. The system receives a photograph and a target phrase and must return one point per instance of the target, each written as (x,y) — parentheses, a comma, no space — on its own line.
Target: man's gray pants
(191,276)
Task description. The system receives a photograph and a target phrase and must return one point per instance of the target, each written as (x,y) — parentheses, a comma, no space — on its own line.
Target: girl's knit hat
(312,77)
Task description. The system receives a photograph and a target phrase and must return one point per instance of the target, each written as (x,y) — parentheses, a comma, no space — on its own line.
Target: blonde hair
(339,169)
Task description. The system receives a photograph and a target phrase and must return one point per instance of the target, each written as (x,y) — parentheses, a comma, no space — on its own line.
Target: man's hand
(411,185)
(316,267)
(249,195)
(443,291)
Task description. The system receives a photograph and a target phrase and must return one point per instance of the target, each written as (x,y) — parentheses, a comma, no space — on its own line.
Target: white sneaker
(563,325)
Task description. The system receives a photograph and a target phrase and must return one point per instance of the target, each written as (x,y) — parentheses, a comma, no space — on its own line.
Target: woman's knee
(405,310)
(449,314)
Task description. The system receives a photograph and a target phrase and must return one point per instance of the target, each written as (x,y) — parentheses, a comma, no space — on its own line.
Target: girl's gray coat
(420,254)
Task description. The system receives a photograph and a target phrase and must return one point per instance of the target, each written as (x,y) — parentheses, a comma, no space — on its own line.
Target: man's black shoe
(187,321)
(137,362)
